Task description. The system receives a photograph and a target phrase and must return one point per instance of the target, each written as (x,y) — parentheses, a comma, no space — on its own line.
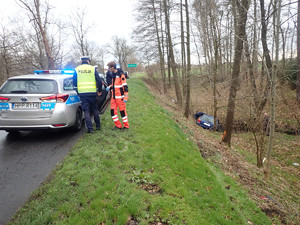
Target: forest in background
(247,47)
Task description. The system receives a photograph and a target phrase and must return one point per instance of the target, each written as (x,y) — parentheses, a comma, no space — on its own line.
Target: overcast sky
(109,17)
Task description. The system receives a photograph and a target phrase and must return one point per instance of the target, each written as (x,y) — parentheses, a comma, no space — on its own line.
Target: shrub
(291,72)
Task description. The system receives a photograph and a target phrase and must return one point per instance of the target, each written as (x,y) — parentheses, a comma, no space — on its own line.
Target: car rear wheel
(78,121)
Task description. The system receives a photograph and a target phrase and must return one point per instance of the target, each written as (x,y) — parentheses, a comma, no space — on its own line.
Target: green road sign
(131,65)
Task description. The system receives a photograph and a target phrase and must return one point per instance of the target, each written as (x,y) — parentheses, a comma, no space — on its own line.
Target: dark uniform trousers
(90,102)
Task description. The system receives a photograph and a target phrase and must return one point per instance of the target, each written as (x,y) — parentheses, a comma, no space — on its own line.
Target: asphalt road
(25,162)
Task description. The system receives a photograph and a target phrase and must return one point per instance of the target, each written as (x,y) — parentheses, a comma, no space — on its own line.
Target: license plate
(25,105)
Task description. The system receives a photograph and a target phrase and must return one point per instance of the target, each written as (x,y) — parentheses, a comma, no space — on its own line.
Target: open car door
(104,99)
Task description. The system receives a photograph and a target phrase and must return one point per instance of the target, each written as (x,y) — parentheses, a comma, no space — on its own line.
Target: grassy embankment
(150,173)
(239,161)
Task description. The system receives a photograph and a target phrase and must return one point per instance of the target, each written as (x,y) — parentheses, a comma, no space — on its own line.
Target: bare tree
(171,52)
(240,31)
(81,30)
(256,123)
(208,20)
(12,52)
(121,50)
(145,32)
(273,88)
(260,93)
(5,54)
(298,53)
(188,53)
(159,45)
(42,22)
(183,52)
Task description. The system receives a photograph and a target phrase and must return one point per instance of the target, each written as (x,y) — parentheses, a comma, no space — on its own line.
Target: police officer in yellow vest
(89,85)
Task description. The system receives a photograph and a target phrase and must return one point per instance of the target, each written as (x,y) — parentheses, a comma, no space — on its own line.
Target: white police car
(44,100)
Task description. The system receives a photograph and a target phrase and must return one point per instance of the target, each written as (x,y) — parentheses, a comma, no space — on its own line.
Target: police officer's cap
(85,58)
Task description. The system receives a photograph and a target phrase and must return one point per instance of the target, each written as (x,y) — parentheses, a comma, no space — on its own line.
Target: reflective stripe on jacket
(86,81)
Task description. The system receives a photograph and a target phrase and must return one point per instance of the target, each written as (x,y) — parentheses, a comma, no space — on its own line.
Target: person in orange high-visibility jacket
(118,89)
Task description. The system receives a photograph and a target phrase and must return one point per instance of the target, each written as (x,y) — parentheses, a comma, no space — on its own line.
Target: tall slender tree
(240,31)
(273,88)
(298,53)
(188,53)
(81,31)
(42,22)
(172,57)
(159,47)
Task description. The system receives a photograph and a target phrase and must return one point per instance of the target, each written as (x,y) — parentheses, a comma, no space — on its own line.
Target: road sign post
(133,65)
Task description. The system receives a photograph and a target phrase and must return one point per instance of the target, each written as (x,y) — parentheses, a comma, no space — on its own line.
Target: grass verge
(150,174)
(278,197)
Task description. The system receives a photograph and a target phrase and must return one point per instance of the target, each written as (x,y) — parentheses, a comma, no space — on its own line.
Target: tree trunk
(255,43)
(161,57)
(266,58)
(188,72)
(183,53)
(168,56)
(51,64)
(215,63)
(36,14)
(240,35)
(298,53)
(163,47)
(172,57)
(266,51)
(273,89)
(215,72)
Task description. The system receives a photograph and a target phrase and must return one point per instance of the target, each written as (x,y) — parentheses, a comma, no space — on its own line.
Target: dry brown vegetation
(279,197)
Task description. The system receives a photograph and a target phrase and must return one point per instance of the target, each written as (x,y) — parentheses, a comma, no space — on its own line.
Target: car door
(104,99)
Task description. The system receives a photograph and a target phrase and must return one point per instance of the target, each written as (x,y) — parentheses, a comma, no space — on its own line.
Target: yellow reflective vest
(86,81)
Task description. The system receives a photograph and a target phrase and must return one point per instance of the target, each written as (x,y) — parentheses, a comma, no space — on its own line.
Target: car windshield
(207,118)
(30,86)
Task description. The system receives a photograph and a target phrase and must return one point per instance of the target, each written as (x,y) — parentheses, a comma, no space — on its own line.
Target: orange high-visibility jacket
(119,88)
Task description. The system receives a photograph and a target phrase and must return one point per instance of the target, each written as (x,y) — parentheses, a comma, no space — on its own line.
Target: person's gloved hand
(107,89)
(125,101)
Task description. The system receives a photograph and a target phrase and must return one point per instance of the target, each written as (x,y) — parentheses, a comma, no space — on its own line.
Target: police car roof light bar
(53,71)
(68,71)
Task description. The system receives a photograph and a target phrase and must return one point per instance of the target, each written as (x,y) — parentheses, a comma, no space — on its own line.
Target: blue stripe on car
(4,106)
(73,99)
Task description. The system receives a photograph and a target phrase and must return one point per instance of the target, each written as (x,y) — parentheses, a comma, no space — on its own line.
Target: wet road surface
(26,159)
